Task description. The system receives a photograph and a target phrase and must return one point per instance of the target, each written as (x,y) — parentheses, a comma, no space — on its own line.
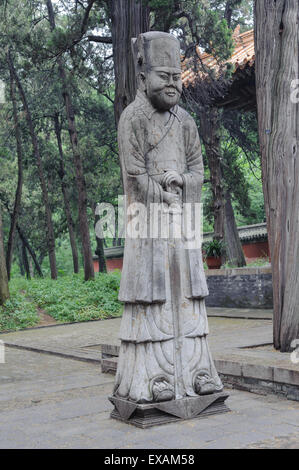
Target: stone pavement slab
(74,340)
(48,401)
(245,313)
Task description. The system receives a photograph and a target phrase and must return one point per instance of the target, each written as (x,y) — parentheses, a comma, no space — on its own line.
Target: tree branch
(102,39)
(84,25)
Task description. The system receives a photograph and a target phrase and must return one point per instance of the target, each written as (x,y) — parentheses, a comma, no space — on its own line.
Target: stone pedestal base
(152,414)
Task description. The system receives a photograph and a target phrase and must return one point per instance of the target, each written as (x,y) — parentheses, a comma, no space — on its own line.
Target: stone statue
(164,360)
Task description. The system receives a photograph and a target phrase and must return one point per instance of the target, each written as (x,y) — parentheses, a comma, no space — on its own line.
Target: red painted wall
(96,265)
(256,250)
(111,264)
(114,263)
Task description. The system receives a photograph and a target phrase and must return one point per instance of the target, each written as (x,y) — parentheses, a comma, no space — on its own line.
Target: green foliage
(34,49)
(59,39)
(241,169)
(214,249)
(89,70)
(18,312)
(69,299)
(218,36)
(201,22)
(159,4)
(235,179)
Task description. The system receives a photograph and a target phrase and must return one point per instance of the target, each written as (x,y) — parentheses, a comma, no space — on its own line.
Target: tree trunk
(67,209)
(81,185)
(25,261)
(233,246)
(129,19)
(210,134)
(100,251)
(277,66)
(31,270)
(24,240)
(4,291)
(21,264)
(18,195)
(49,224)
(225,227)
(26,243)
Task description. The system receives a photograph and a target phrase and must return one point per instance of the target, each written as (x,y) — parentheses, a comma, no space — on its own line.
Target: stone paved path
(54,402)
(233,335)
(50,400)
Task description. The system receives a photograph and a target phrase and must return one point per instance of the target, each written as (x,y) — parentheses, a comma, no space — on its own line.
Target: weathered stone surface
(258,371)
(239,271)
(164,355)
(147,415)
(109,350)
(228,367)
(287,376)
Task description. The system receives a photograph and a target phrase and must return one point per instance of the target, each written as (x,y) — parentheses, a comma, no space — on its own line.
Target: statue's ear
(134,47)
(142,81)
(139,63)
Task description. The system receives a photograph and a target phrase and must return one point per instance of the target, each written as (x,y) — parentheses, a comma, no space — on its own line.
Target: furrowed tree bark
(81,185)
(4,290)
(277,66)
(129,19)
(18,195)
(67,208)
(49,224)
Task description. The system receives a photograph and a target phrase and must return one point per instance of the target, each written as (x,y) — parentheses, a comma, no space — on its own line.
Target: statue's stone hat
(156,49)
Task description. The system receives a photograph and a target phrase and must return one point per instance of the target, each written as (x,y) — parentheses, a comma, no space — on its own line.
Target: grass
(18,312)
(260,262)
(69,299)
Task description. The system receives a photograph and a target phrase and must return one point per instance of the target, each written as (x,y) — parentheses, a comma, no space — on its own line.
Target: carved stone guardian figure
(165,369)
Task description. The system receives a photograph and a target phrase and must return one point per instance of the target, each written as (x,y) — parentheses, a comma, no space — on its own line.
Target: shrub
(68,299)
(214,248)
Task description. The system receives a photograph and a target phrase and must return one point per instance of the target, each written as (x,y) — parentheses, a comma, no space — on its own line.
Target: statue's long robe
(146,149)
(164,324)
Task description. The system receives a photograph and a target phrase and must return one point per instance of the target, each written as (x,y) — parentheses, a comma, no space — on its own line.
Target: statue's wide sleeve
(192,185)
(131,140)
(194,176)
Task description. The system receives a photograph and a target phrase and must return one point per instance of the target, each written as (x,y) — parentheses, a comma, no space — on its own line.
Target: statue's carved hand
(171,198)
(172,177)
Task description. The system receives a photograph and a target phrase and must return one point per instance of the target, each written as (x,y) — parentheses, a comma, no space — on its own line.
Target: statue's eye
(164,76)
(176,77)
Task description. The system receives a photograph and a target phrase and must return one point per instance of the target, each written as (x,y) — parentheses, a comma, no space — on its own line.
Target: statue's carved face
(163,86)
